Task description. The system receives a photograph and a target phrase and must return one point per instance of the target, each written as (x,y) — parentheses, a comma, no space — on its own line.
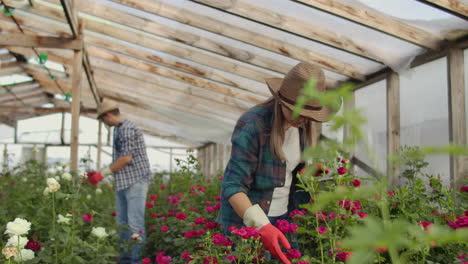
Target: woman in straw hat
(259,185)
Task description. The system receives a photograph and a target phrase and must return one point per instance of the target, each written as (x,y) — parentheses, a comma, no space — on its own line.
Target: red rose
(342,170)
(319,170)
(356,183)
(33,245)
(464,189)
(94,177)
(381,249)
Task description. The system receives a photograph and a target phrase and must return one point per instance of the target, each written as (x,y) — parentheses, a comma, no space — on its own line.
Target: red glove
(270,237)
(94,177)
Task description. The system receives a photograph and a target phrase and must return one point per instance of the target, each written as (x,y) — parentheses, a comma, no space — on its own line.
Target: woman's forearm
(240,202)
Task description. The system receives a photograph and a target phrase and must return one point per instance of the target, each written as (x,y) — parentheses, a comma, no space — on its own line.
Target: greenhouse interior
(234,131)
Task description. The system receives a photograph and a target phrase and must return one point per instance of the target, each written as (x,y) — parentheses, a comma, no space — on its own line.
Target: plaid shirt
(129,141)
(253,168)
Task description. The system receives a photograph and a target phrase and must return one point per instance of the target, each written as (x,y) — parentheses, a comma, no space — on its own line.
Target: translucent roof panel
(14,79)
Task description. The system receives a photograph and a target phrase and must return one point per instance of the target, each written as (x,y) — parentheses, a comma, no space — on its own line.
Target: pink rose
(322,229)
(294,254)
(181,216)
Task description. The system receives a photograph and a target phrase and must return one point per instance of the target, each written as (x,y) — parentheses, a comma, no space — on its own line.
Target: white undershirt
(292,151)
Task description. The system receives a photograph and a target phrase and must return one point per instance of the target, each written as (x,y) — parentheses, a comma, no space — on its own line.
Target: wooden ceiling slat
(25,40)
(150,90)
(11,69)
(176,75)
(51,11)
(242,34)
(21,95)
(98,40)
(119,95)
(152,82)
(292,25)
(110,65)
(59,56)
(108,90)
(378,21)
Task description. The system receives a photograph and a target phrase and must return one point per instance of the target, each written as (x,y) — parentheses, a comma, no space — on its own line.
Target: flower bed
(54,217)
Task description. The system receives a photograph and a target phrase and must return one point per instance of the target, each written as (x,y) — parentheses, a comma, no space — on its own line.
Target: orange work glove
(270,235)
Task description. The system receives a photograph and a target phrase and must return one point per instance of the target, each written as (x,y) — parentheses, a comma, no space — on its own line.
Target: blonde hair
(278,125)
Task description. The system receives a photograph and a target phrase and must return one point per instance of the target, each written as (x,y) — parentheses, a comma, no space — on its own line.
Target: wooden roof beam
(125,81)
(176,75)
(150,90)
(291,24)
(217,26)
(453,7)
(111,90)
(23,40)
(41,110)
(49,10)
(378,21)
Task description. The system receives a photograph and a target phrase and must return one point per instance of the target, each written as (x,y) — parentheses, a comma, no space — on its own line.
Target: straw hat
(288,89)
(106,106)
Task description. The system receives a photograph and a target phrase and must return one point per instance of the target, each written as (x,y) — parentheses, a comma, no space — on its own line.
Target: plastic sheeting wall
(424,111)
(371,100)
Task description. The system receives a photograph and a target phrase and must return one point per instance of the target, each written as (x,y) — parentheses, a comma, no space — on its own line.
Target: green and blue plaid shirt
(253,168)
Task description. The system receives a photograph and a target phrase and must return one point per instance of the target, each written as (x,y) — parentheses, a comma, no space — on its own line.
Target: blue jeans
(130,215)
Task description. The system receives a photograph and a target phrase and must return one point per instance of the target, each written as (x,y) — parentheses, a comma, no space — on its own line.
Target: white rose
(18,227)
(136,236)
(26,254)
(25,179)
(89,197)
(9,251)
(52,171)
(17,241)
(99,232)
(61,219)
(67,176)
(98,191)
(46,191)
(84,176)
(53,185)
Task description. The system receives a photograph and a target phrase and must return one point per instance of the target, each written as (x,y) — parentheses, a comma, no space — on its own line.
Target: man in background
(131,170)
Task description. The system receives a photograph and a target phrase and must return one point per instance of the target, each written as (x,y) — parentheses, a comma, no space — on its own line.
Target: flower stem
(53,228)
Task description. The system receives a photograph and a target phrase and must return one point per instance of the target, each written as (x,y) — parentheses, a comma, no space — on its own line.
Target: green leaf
(68,97)
(52,77)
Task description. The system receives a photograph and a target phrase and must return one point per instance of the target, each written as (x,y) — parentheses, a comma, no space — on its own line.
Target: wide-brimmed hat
(287,90)
(106,106)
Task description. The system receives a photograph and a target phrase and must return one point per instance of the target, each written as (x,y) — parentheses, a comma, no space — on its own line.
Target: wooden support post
(99,146)
(457,114)
(170,160)
(108,136)
(220,157)
(62,129)
(214,155)
(5,158)
(393,125)
(75,107)
(16,133)
(44,154)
